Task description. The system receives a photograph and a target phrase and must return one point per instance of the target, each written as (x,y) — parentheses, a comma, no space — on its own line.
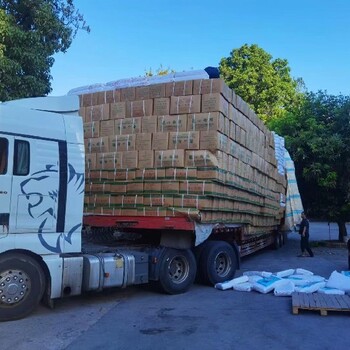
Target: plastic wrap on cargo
(334,291)
(310,288)
(266,285)
(229,284)
(298,280)
(140,81)
(284,289)
(285,273)
(243,287)
(294,206)
(339,281)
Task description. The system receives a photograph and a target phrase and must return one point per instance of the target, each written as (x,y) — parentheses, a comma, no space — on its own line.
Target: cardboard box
(215,103)
(117,160)
(135,187)
(192,201)
(119,143)
(139,108)
(211,174)
(161,106)
(169,158)
(157,90)
(143,142)
(128,94)
(149,124)
(169,187)
(109,160)
(91,130)
(128,126)
(213,140)
(103,188)
(198,187)
(96,175)
(130,160)
(179,88)
(110,96)
(172,123)
(87,100)
(181,173)
(96,113)
(96,145)
(158,200)
(90,161)
(142,93)
(184,140)
(118,188)
(150,174)
(121,175)
(152,211)
(118,110)
(107,127)
(160,140)
(206,122)
(153,187)
(185,104)
(200,158)
(146,159)
(127,201)
(211,86)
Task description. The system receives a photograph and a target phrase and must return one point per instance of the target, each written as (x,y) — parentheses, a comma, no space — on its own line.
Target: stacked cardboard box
(183,148)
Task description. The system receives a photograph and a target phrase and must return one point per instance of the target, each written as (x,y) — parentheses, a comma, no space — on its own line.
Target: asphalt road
(204,318)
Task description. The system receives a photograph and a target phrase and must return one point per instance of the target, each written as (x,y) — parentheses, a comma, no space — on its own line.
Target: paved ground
(203,318)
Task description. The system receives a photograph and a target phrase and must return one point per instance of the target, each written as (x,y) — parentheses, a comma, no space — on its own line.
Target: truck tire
(177,270)
(22,285)
(218,262)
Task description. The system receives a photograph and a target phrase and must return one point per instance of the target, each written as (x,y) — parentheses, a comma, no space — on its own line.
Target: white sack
(285,273)
(284,289)
(339,281)
(258,273)
(327,290)
(243,287)
(310,288)
(266,285)
(303,272)
(229,284)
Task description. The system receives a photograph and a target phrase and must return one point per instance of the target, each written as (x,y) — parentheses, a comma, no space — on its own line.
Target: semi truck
(49,249)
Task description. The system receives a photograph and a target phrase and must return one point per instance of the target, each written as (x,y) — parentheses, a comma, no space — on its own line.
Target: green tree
(264,83)
(31,32)
(317,135)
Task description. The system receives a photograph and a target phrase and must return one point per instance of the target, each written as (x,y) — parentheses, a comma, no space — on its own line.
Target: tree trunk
(342,230)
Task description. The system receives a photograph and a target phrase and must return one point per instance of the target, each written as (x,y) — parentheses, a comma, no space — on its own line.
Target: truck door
(5,183)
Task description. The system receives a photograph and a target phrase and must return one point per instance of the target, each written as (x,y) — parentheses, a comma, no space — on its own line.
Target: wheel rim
(223,264)
(14,286)
(178,269)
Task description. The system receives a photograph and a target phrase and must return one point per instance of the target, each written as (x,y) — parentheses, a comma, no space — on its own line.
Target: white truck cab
(41,197)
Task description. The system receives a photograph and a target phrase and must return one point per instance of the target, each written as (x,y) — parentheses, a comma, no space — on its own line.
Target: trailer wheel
(177,271)
(218,262)
(22,285)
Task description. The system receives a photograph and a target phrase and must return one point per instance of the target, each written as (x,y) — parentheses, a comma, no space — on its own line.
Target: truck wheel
(22,285)
(177,271)
(218,262)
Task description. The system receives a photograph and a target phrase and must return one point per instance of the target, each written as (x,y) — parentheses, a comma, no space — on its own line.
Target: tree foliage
(31,32)
(160,71)
(318,137)
(264,83)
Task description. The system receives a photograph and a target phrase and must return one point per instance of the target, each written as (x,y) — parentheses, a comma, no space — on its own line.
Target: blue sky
(129,37)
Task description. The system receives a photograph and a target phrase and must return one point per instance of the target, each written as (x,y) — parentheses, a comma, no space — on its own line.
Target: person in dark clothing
(304,239)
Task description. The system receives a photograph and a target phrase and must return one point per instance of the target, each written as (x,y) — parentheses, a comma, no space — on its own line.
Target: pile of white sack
(284,283)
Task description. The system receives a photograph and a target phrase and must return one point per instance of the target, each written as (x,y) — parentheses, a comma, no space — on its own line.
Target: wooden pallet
(320,302)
